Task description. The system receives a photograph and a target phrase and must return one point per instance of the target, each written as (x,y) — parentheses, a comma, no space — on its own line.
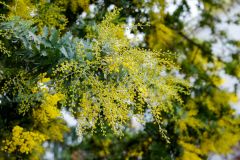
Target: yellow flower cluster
(22,8)
(23,141)
(167,36)
(191,152)
(74,5)
(4,34)
(51,15)
(54,130)
(3,49)
(43,13)
(109,99)
(113,81)
(224,138)
(48,109)
(44,80)
(216,100)
(137,151)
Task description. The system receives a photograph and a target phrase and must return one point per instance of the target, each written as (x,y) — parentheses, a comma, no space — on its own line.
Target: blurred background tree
(208,55)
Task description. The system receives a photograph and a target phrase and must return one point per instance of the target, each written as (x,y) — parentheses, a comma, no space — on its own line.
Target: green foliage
(101,79)
(207,123)
(91,69)
(41,12)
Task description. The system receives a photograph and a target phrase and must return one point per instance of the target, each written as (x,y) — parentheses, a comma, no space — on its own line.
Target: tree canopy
(76,55)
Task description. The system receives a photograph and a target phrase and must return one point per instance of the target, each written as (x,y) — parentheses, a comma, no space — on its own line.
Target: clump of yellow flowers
(45,112)
(48,109)
(23,141)
(111,81)
(104,83)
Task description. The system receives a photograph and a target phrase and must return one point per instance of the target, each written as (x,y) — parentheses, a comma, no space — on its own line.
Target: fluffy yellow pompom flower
(48,109)
(23,141)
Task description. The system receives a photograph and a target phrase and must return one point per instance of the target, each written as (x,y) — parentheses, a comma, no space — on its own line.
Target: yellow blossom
(48,109)
(23,141)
